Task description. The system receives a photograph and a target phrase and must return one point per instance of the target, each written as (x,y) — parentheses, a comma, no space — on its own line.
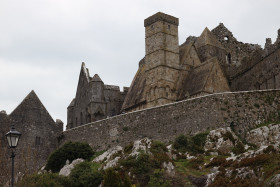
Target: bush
(44,180)
(158,147)
(193,144)
(157,180)
(84,175)
(199,139)
(139,165)
(269,149)
(112,179)
(258,160)
(198,142)
(69,151)
(181,143)
(196,162)
(239,148)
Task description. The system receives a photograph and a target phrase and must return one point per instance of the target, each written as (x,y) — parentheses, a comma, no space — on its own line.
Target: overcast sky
(44,42)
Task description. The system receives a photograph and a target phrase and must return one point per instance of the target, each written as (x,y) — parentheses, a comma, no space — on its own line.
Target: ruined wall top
(161,17)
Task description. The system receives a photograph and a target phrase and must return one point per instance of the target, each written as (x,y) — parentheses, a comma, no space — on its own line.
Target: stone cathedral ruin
(212,80)
(214,62)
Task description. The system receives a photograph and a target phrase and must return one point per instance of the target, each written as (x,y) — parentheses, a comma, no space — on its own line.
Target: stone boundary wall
(240,110)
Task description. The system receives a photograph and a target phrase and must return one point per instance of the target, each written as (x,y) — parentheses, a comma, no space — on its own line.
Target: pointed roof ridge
(96,78)
(31,96)
(85,70)
(207,38)
(223,26)
(72,103)
(196,80)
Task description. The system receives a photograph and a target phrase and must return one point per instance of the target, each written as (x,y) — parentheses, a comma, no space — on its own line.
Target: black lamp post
(13,137)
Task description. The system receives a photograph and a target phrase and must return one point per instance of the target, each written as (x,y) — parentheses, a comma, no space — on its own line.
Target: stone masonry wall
(240,110)
(264,75)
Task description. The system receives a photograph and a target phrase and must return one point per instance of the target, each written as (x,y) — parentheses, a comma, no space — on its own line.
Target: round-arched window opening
(152,26)
(228,58)
(226,38)
(168,26)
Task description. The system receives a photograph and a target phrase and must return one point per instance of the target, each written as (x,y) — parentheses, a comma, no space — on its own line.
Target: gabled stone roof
(135,92)
(30,108)
(198,80)
(207,38)
(96,78)
(72,103)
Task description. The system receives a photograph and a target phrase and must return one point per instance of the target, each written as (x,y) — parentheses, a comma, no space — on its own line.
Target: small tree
(69,151)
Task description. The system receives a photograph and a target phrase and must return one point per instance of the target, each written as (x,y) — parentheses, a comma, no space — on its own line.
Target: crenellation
(111,87)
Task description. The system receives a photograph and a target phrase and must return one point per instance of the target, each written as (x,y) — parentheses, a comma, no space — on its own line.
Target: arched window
(88,118)
(37,140)
(113,112)
(229,58)
(81,118)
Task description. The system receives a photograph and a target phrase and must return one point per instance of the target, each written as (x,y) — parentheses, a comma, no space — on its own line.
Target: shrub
(128,148)
(44,180)
(228,136)
(258,160)
(69,151)
(198,142)
(139,165)
(193,144)
(158,147)
(126,181)
(112,179)
(84,175)
(125,128)
(269,149)
(200,138)
(158,158)
(196,162)
(181,143)
(157,180)
(239,148)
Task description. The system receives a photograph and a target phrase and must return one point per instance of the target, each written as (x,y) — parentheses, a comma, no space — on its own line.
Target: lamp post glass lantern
(13,137)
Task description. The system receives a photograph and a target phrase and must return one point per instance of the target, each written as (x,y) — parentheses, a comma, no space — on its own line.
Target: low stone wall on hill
(242,111)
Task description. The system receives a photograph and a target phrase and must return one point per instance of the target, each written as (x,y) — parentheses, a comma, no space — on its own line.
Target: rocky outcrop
(66,170)
(221,140)
(264,136)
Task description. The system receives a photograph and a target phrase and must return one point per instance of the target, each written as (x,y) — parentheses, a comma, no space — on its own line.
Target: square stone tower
(162,59)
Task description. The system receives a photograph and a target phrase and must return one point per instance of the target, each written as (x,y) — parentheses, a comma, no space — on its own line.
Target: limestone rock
(108,154)
(264,136)
(141,145)
(220,140)
(112,163)
(66,170)
(275,181)
(170,168)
